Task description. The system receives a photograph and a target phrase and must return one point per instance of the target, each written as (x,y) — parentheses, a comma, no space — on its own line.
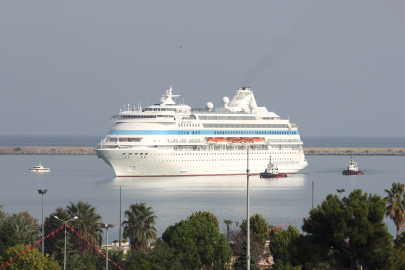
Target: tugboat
(352,168)
(271,171)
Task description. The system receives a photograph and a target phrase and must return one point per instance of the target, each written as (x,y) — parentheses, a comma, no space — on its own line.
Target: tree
(210,217)
(279,241)
(259,228)
(160,257)
(87,224)
(32,259)
(395,205)
(3,215)
(228,223)
(8,237)
(241,261)
(50,225)
(199,242)
(26,227)
(139,226)
(351,230)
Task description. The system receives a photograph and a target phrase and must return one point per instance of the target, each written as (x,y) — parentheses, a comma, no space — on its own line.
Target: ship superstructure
(170,139)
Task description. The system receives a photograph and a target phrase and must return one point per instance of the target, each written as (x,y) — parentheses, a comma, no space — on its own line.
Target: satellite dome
(253,104)
(209,106)
(225,100)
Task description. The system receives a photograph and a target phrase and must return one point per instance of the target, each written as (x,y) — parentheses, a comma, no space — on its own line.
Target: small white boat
(39,168)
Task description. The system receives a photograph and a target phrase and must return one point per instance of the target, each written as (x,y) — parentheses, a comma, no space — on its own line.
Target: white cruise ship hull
(152,162)
(170,139)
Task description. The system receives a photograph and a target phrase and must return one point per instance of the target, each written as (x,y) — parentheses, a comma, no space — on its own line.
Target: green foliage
(395,201)
(279,242)
(26,227)
(17,149)
(116,241)
(160,257)
(259,228)
(73,260)
(139,226)
(50,225)
(32,259)
(3,215)
(241,261)
(210,217)
(8,237)
(87,225)
(199,242)
(346,232)
(228,223)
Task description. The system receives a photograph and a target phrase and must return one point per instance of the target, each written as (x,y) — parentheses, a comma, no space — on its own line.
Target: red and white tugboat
(271,171)
(352,168)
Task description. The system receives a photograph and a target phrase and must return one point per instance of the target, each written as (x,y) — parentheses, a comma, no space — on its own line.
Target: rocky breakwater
(354,151)
(77,150)
(46,150)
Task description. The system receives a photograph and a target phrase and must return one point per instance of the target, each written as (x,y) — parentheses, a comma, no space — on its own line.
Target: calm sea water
(87,178)
(309,141)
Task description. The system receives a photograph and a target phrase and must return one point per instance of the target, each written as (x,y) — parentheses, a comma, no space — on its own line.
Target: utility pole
(248,219)
(313,194)
(120,219)
(42,192)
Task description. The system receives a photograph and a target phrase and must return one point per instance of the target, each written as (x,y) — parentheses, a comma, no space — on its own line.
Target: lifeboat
(257,140)
(221,141)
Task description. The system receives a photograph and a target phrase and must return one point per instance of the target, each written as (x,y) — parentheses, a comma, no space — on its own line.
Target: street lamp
(341,191)
(106,226)
(64,258)
(42,192)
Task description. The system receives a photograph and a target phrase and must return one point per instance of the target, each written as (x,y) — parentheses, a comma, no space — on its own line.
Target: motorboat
(39,168)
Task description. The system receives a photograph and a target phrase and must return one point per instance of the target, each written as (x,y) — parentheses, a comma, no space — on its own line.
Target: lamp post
(64,257)
(42,192)
(106,226)
(341,191)
(248,220)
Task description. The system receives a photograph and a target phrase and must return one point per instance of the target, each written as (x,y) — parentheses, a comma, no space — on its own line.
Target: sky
(335,68)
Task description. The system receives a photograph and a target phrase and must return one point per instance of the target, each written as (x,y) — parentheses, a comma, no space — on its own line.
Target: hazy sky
(336,68)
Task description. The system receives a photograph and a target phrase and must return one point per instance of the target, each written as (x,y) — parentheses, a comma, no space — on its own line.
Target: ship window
(130,154)
(146,154)
(124,154)
(141,153)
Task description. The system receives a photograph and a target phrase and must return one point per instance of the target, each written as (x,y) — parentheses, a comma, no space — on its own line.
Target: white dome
(253,104)
(209,106)
(225,100)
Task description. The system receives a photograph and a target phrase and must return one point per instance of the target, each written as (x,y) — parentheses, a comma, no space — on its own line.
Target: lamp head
(42,191)
(56,217)
(76,217)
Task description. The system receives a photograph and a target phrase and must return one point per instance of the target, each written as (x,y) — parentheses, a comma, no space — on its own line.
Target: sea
(279,201)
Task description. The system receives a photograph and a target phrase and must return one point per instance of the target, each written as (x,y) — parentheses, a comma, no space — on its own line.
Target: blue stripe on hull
(201,132)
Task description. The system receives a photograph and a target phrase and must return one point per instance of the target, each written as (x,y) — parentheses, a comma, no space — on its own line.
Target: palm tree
(26,227)
(139,226)
(395,205)
(87,224)
(228,222)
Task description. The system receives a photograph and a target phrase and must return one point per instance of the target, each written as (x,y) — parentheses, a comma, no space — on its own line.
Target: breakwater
(78,150)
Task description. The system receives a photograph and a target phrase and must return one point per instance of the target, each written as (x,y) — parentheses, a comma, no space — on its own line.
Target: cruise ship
(173,139)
